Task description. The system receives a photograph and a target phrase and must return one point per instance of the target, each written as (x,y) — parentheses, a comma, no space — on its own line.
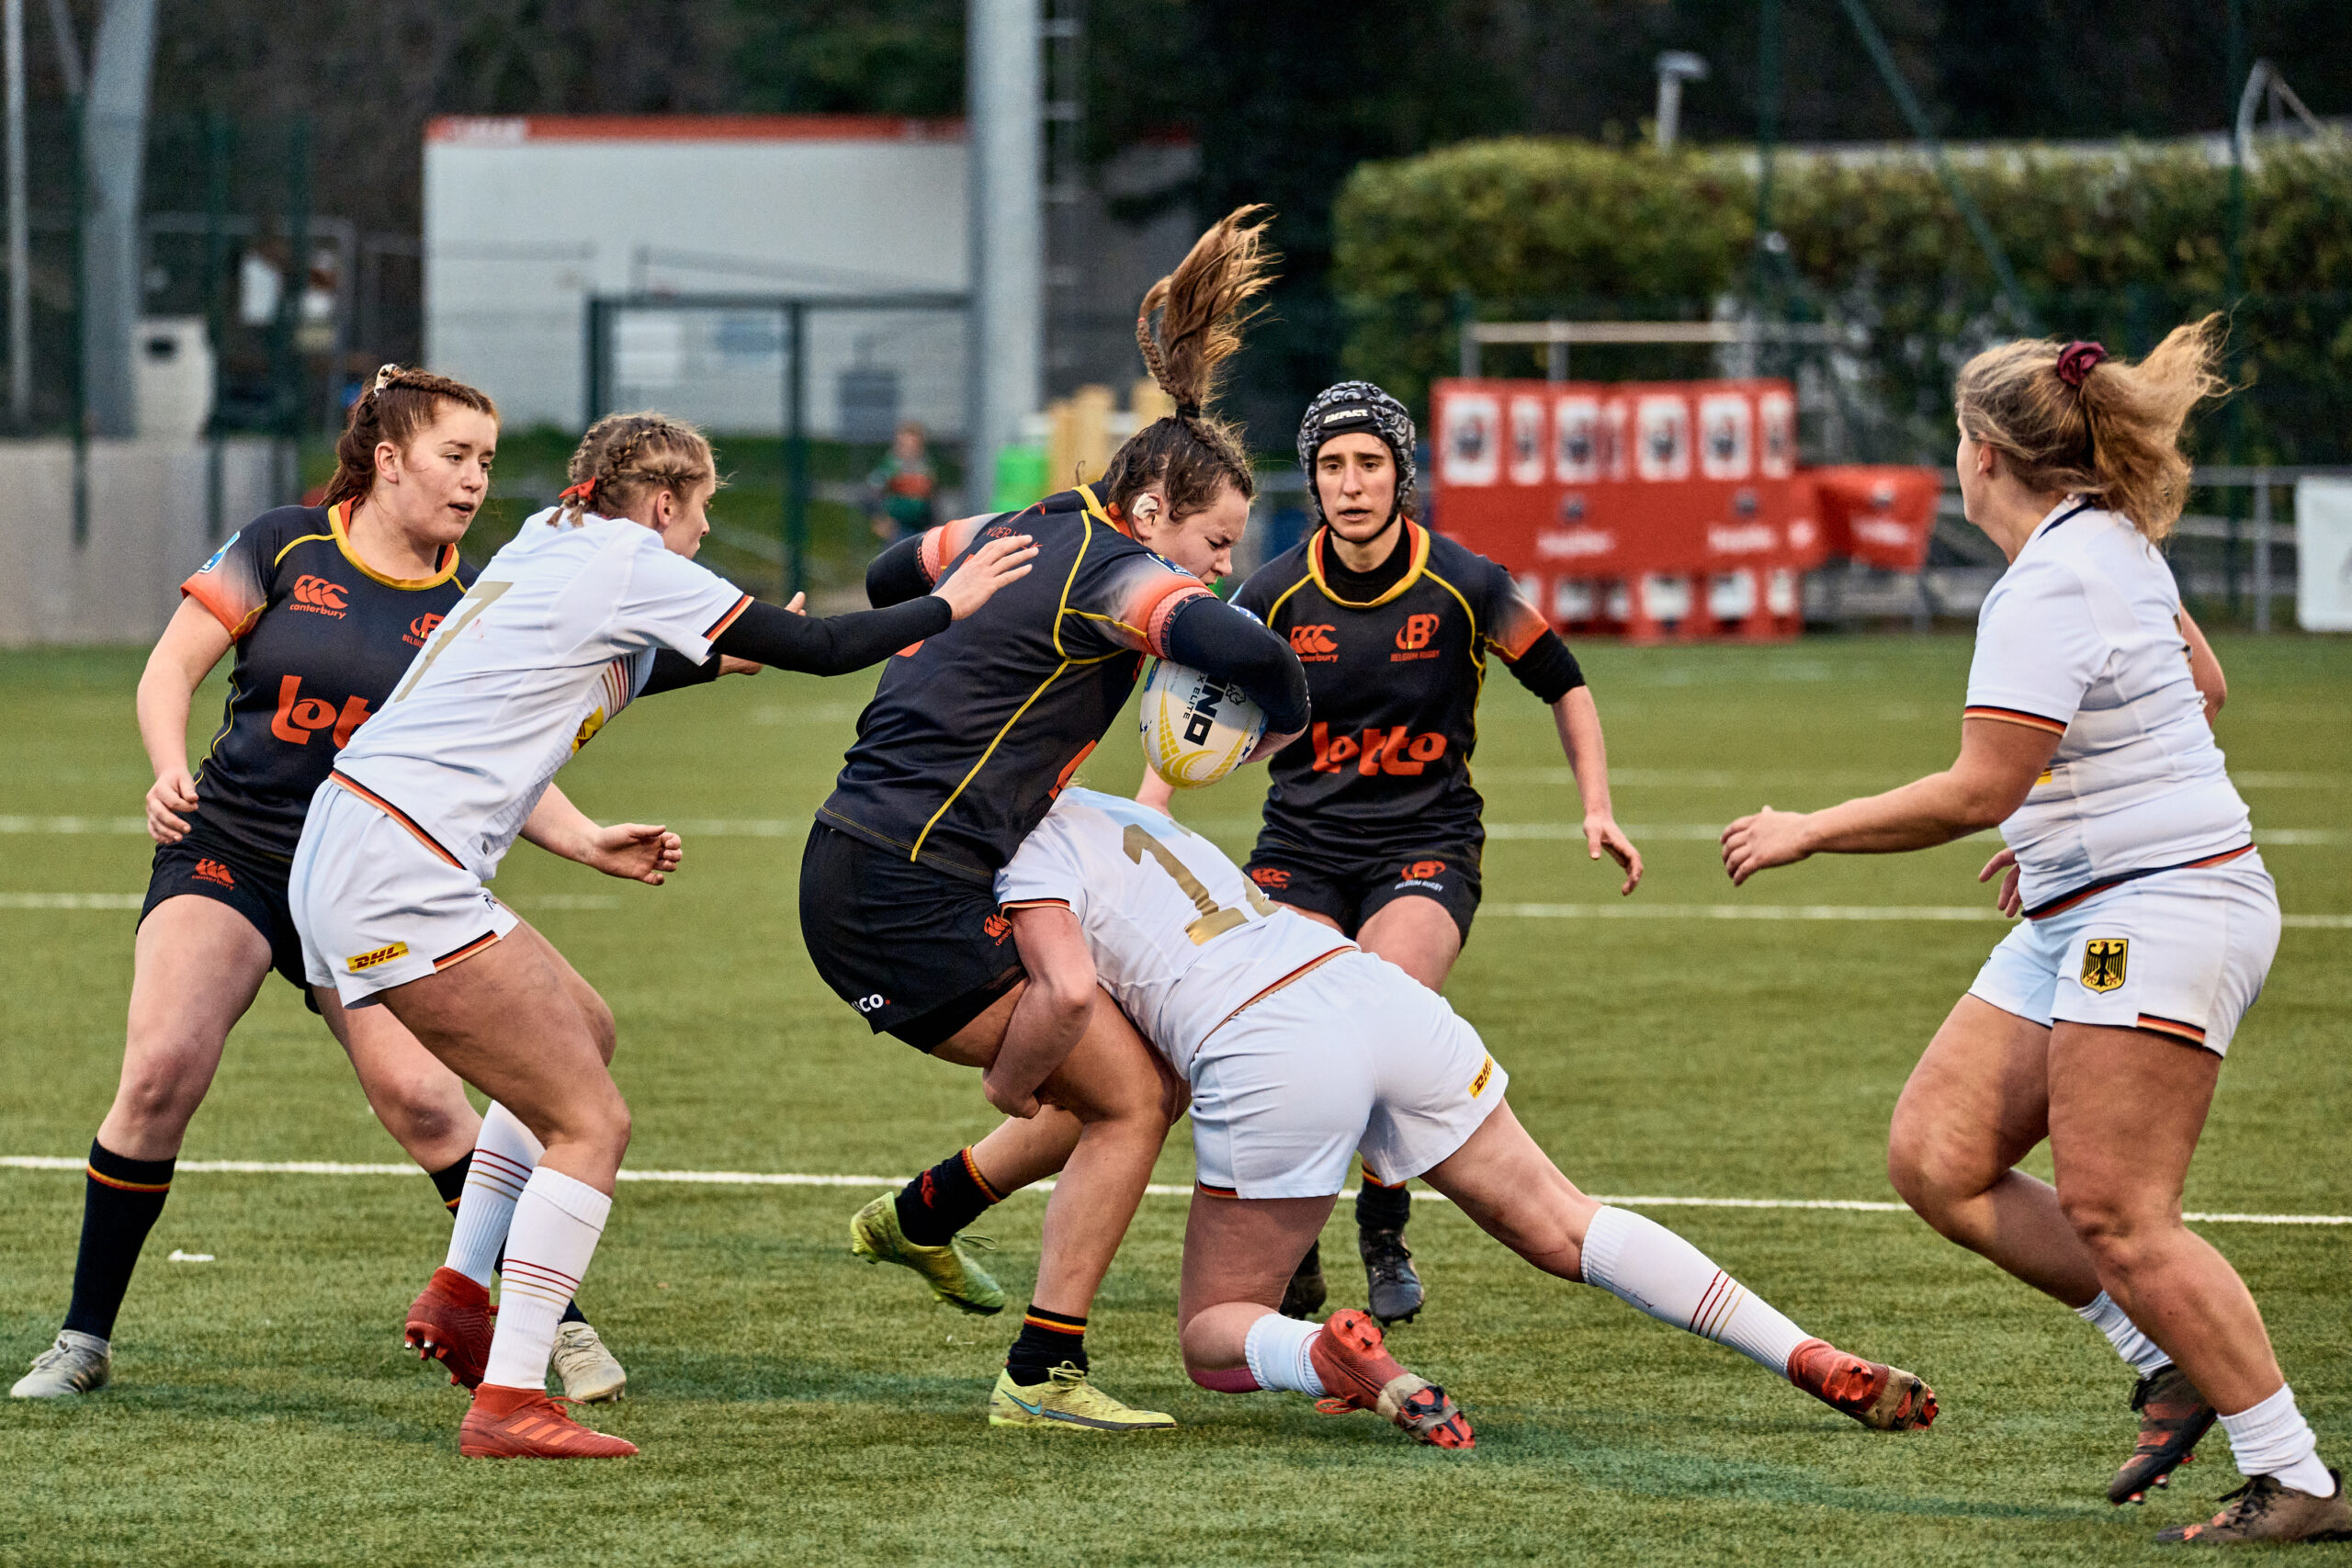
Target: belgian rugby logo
(2103,961)
(359,962)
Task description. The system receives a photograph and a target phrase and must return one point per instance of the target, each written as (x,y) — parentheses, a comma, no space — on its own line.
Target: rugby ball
(1195,729)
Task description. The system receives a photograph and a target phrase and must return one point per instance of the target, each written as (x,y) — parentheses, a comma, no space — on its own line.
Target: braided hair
(624,457)
(1201,309)
(397,405)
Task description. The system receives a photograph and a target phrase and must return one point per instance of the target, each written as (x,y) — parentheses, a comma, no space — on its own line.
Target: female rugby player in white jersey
(2100,1021)
(564,627)
(1301,1049)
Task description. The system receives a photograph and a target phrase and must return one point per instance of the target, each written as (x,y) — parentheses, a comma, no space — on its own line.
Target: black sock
(1380,1207)
(450,1180)
(1048,1339)
(120,1200)
(942,1200)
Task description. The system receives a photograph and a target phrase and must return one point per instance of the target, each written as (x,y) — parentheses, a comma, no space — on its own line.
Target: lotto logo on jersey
(1391,751)
(319,595)
(360,961)
(298,717)
(419,629)
(1416,632)
(1314,645)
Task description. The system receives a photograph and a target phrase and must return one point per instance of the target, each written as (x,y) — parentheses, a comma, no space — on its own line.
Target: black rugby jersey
(320,640)
(1395,682)
(972,732)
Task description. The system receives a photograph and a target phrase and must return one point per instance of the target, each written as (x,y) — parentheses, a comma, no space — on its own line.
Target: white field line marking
(1967,912)
(1721,778)
(1158,1190)
(1809,912)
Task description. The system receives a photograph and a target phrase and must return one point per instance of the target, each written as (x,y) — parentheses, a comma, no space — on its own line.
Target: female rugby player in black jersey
(1372,825)
(326,606)
(969,736)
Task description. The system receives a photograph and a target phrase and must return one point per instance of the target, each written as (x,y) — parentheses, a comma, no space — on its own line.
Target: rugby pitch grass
(796,1406)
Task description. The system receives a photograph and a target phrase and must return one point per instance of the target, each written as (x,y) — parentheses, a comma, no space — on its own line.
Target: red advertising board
(1660,509)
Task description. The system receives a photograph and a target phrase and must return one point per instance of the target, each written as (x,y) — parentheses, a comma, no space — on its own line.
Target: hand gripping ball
(1195,729)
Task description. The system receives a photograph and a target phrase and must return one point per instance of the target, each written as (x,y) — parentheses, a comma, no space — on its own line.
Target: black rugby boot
(1394,1289)
(1304,1295)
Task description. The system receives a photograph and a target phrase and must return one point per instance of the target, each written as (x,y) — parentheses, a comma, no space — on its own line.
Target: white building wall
(526,217)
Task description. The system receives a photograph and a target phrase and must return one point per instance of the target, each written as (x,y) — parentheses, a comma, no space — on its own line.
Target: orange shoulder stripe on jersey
(727,619)
(395,813)
(2013,716)
(209,595)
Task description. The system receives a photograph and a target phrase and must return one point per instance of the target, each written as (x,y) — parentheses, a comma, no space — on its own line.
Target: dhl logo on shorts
(1314,644)
(319,595)
(213,871)
(1486,1076)
(384,955)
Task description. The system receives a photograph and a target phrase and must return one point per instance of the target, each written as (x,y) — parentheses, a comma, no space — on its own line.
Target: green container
(1020,477)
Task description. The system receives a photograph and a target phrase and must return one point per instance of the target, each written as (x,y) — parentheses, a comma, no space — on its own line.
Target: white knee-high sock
(1276,1350)
(557,1222)
(505,1156)
(2273,1438)
(1649,1267)
(2123,1334)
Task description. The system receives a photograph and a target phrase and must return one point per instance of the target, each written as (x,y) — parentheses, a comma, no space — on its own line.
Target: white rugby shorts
(2182,954)
(377,904)
(1354,1056)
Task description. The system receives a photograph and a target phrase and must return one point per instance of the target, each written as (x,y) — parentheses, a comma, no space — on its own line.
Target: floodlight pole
(114,149)
(21,283)
(1987,240)
(1004,171)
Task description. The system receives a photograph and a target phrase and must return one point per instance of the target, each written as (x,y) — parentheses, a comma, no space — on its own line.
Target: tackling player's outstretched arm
(1053,1009)
(835,645)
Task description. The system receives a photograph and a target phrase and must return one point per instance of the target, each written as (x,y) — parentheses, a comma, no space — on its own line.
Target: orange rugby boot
(451,1322)
(1359,1373)
(1885,1398)
(524,1423)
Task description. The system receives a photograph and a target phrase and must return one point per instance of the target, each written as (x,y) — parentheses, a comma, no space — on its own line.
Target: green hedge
(2120,248)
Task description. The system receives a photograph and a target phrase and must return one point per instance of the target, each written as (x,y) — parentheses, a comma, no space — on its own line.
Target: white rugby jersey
(553,639)
(2081,637)
(1178,935)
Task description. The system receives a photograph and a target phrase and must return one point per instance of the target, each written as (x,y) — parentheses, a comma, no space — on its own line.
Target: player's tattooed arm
(635,852)
(191,644)
(1053,1012)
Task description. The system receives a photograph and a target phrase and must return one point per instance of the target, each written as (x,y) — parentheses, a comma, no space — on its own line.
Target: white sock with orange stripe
(505,1156)
(1645,1265)
(557,1222)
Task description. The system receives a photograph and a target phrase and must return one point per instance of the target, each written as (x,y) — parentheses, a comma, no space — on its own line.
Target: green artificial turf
(796,1406)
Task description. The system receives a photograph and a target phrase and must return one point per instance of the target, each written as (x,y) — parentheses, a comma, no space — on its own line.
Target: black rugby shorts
(1350,889)
(254,886)
(918,953)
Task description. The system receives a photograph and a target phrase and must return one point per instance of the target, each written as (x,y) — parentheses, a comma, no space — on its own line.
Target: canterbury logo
(298,717)
(421,629)
(385,954)
(1307,641)
(1391,751)
(1270,877)
(318,594)
(213,871)
(1417,632)
(998,927)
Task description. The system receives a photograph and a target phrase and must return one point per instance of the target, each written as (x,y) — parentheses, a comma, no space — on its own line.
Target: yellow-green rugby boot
(954,1277)
(1065,1400)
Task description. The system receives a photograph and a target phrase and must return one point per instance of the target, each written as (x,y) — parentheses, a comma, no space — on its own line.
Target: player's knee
(1928,1173)
(1221,1380)
(602,1028)
(163,1088)
(416,1111)
(2118,1231)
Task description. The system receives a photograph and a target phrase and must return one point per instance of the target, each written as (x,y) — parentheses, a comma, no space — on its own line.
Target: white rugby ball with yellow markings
(1195,729)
